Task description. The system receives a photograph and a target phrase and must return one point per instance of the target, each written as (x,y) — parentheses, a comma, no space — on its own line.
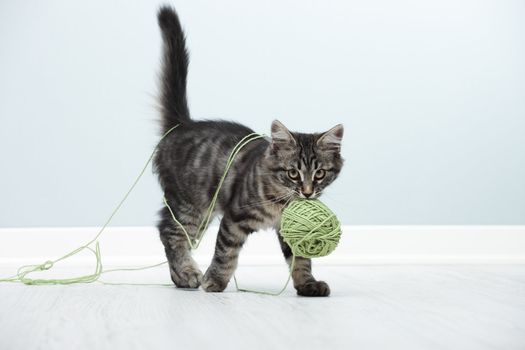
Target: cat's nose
(307,191)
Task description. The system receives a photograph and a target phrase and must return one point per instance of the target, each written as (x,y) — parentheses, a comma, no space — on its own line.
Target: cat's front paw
(213,283)
(314,289)
(188,277)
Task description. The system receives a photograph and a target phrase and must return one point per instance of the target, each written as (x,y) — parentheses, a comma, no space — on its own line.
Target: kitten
(265,176)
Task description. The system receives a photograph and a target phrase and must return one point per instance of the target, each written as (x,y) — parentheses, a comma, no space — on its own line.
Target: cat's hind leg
(184,271)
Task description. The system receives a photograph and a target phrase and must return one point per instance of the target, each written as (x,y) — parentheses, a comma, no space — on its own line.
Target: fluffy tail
(173,101)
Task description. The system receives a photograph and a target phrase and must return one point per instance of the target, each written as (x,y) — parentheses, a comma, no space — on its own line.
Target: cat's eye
(293,174)
(319,174)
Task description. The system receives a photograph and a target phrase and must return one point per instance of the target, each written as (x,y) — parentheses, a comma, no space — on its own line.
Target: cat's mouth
(309,195)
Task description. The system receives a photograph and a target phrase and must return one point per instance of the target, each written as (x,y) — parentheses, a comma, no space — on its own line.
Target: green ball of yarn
(310,228)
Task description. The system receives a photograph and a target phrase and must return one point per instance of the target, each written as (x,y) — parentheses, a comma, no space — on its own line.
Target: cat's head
(304,163)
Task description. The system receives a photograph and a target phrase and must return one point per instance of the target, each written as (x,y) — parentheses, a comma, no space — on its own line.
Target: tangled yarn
(310,228)
(307,226)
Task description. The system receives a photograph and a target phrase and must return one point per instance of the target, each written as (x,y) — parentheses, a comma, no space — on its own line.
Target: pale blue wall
(432,95)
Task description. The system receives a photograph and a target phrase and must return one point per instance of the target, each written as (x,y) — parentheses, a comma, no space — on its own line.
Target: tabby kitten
(265,176)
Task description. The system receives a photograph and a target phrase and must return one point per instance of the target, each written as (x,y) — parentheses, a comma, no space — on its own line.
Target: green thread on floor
(307,226)
(24,271)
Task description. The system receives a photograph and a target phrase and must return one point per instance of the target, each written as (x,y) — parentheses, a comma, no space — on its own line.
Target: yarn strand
(307,226)
(23,271)
(203,226)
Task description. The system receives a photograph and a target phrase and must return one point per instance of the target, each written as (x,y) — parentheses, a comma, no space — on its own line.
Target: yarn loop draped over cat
(268,173)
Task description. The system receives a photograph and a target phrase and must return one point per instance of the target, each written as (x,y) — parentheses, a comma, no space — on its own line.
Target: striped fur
(265,176)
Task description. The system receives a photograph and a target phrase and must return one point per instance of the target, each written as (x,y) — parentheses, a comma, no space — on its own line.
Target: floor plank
(371,307)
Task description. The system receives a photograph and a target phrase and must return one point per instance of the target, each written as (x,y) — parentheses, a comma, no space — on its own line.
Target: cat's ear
(281,137)
(331,140)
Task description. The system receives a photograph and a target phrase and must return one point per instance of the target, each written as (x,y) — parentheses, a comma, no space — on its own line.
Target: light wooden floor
(371,307)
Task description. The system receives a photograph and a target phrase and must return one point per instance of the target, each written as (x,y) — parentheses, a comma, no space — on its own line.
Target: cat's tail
(174,105)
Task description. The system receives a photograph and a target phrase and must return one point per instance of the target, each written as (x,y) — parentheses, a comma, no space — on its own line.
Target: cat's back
(211,134)
(199,145)
(216,129)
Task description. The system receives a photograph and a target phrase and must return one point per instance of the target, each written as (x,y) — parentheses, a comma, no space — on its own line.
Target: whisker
(288,201)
